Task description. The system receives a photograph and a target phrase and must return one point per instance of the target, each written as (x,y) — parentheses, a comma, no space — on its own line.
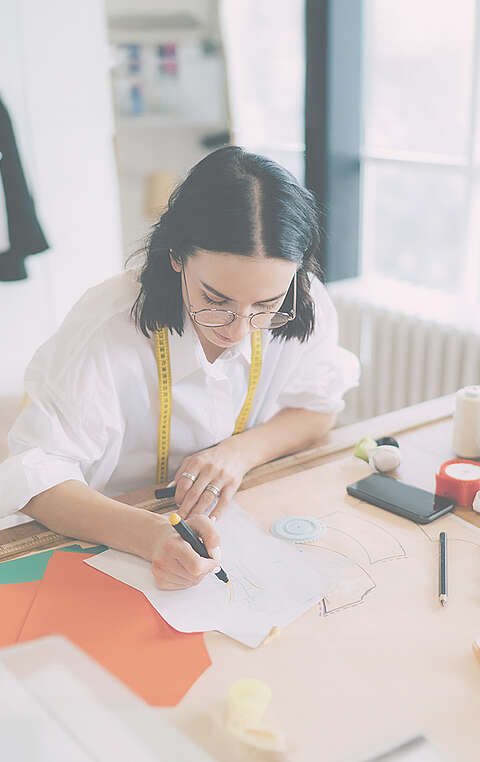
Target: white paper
(51,688)
(28,732)
(271,583)
(76,708)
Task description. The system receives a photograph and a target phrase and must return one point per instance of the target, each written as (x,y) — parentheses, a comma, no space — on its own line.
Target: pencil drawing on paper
(362,542)
(242,587)
(365,544)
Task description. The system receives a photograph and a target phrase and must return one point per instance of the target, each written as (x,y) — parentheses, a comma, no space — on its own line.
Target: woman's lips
(223,338)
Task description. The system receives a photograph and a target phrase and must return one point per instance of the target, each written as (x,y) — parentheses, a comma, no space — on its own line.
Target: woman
(223,357)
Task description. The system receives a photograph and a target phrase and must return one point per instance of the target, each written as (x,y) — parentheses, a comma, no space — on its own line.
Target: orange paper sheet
(15,603)
(117,626)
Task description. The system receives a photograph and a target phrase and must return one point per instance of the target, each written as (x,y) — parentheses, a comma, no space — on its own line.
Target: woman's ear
(176,265)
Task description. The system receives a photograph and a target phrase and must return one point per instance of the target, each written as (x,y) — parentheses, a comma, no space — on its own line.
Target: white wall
(54,80)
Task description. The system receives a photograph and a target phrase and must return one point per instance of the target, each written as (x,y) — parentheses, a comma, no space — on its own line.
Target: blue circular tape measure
(298,528)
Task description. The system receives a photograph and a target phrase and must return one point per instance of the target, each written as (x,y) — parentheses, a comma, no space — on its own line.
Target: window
(265,56)
(420,163)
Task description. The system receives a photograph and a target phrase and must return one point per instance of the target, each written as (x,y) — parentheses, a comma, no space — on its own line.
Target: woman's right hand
(175,565)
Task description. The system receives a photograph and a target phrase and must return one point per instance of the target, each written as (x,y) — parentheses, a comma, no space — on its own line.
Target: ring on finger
(188,475)
(213,489)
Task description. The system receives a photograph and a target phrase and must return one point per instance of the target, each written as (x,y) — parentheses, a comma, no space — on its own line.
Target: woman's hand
(175,564)
(222,466)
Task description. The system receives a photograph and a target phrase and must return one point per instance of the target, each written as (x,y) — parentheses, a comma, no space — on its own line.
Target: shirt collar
(187,355)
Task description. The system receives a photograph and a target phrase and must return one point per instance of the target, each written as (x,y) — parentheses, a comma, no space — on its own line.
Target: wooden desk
(307,699)
(362,679)
(292,663)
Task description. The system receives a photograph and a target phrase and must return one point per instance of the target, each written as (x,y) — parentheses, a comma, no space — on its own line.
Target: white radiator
(413,345)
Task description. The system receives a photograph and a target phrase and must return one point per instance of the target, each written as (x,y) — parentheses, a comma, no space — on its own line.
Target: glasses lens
(269,320)
(214,318)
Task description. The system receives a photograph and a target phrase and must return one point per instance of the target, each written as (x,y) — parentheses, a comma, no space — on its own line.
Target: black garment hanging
(25,233)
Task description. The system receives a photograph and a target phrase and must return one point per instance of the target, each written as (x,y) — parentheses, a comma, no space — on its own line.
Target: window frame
(468,165)
(333,127)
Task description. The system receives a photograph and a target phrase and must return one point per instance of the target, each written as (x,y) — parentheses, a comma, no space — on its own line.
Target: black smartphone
(401,498)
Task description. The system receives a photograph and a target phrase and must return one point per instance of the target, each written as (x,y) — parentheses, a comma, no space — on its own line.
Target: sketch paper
(271,583)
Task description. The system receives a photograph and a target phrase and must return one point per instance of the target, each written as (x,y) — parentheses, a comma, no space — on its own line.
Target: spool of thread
(387,441)
(363,447)
(459,480)
(466,423)
(385,458)
(247,702)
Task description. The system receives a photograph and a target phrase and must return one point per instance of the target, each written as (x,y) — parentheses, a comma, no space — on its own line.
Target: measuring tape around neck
(162,356)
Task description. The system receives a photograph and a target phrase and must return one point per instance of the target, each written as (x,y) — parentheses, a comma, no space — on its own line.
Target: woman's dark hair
(236,202)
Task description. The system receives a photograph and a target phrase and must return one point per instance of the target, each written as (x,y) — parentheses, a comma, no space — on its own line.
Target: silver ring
(188,475)
(213,489)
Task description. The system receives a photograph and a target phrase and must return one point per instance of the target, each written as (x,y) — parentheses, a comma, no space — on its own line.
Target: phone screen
(401,496)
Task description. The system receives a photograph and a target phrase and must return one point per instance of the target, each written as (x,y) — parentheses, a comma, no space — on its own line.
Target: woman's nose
(238,329)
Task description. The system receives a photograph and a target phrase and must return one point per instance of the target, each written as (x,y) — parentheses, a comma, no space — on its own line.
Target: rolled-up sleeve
(31,472)
(64,429)
(321,371)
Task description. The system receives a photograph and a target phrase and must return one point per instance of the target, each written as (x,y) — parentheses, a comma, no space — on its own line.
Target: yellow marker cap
(175,519)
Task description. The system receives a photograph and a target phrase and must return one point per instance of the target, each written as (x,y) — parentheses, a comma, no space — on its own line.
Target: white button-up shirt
(94,407)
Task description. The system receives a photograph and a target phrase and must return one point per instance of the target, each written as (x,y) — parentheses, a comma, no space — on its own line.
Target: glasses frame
(288,316)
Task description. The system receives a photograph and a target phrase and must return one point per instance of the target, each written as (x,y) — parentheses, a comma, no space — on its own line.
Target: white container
(466,423)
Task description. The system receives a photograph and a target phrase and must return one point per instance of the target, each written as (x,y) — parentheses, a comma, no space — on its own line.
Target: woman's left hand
(222,466)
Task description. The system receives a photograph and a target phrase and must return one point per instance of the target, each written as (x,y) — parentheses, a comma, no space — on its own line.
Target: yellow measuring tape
(162,356)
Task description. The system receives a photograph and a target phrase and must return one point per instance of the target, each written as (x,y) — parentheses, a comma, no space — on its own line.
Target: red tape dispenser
(459,480)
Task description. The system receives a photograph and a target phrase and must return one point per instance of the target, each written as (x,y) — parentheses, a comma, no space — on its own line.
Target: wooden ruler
(25,538)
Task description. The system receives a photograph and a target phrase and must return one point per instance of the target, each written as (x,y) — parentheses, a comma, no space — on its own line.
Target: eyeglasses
(215,318)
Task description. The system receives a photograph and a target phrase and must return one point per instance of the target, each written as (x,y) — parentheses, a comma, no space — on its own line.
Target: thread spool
(247,702)
(387,441)
(459,480)
(466,423)
(363,447)
(385,458)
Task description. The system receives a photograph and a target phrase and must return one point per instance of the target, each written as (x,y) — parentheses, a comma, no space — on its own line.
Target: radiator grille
(405,358)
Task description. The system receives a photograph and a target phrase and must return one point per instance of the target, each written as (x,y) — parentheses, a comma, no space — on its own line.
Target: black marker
(165,492)
(194,541)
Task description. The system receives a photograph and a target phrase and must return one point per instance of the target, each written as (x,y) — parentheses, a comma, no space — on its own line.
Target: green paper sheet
(32,568)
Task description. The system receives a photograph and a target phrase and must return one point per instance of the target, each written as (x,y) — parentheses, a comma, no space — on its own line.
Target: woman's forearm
(290,430)
(75,510)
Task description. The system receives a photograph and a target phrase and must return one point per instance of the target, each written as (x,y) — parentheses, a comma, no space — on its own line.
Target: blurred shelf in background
(156,122)
(170,98)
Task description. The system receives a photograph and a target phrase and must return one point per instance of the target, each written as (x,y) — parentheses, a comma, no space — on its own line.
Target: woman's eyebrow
(228,299)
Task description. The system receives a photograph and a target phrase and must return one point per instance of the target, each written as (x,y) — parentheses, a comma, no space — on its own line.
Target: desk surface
(347,685)
(361,675)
